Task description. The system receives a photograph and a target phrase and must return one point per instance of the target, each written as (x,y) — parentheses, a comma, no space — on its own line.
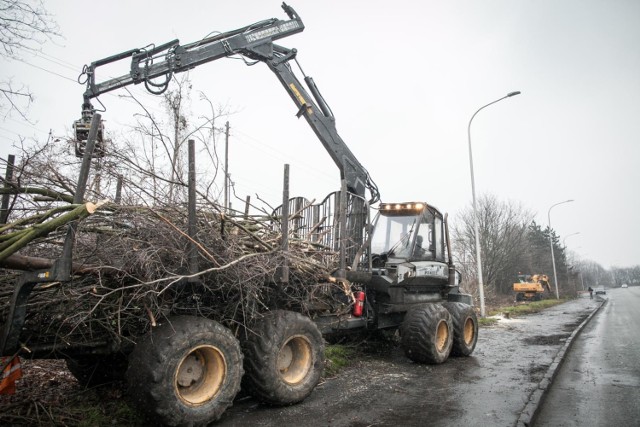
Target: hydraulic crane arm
(179,58)
(256,43)
(322,122)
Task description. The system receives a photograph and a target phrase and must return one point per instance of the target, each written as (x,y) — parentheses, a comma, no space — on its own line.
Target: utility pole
(226,168)
(8,177)
(191,208)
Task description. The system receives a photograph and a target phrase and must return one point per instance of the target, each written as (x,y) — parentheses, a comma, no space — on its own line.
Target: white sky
(403,79)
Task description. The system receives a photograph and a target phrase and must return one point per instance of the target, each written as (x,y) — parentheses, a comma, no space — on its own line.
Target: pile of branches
(131,264)
(131,272)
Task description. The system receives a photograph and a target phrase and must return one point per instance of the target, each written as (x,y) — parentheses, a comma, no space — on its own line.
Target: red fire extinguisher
(358,304)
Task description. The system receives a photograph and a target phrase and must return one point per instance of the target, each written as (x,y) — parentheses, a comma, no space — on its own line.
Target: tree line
(512,242)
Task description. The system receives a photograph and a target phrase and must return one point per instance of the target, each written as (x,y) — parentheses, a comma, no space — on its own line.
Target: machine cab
(408,232)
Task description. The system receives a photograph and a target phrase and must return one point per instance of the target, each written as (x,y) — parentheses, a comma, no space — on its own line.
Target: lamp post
(567,236)
(475,210)
(553,258)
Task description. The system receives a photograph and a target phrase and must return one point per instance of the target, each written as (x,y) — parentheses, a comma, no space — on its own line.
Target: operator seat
(418,250)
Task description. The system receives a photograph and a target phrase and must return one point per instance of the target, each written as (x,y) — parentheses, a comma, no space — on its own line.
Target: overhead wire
(136,90)
(269,149)
(44,69)
(55,60)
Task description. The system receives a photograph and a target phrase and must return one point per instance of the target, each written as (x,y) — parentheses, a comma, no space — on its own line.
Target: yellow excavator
(531,287)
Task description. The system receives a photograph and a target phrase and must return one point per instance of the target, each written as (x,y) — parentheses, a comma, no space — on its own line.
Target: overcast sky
(403,78)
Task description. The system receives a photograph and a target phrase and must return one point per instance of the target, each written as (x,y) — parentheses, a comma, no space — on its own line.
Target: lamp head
(513,93)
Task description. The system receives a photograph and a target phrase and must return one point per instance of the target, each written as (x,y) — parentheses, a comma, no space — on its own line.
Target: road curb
(530,410)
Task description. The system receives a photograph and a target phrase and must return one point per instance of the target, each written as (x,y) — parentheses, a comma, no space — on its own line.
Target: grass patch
(526,308)
(100,406)
(103,406)
(487,321)
(338,357)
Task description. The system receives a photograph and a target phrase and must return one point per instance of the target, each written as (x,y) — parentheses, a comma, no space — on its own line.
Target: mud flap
(10,374)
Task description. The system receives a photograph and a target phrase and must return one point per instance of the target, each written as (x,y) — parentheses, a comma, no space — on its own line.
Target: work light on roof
(402,208)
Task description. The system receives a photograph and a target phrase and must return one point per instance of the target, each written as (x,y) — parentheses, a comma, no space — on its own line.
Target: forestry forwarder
(396,272)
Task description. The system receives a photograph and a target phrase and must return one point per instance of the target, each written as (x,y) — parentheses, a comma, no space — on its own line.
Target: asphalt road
(599,382)
(491,388)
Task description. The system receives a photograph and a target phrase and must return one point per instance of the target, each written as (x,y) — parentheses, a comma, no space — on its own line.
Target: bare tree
(25,25)
(626,275)
(151,157)
(594,275)
(175,101)
(145,166)
(503,240)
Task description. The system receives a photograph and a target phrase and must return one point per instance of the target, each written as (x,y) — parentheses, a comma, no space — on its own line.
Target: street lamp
(553,258)
(475,210)
(567,236)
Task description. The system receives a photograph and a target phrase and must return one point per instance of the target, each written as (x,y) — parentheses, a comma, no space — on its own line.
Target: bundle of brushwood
(131,271)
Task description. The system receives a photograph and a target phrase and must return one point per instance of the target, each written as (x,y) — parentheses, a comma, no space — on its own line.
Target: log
(35,190)
(21,239)
(26,263)
(31,263)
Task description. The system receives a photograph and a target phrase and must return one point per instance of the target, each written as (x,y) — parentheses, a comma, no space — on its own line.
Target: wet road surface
(489,388)
(599,382)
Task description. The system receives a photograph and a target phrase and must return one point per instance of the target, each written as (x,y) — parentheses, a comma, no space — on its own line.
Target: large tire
(427,334)
(95,370)
(185,372)
(465,328)
(284,357)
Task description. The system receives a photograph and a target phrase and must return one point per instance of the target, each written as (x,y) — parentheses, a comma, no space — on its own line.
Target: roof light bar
(402,208)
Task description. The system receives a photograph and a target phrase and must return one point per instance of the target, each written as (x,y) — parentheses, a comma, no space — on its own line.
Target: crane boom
(255,42)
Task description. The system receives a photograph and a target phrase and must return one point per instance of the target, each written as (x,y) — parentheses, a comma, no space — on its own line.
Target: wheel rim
(200,375)
(468,331)
(294,360)
(442,335)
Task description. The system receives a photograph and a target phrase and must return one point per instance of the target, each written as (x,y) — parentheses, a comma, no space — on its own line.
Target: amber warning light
(402,208)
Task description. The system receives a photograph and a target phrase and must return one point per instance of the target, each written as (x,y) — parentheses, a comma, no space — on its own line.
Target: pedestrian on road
(590,292)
